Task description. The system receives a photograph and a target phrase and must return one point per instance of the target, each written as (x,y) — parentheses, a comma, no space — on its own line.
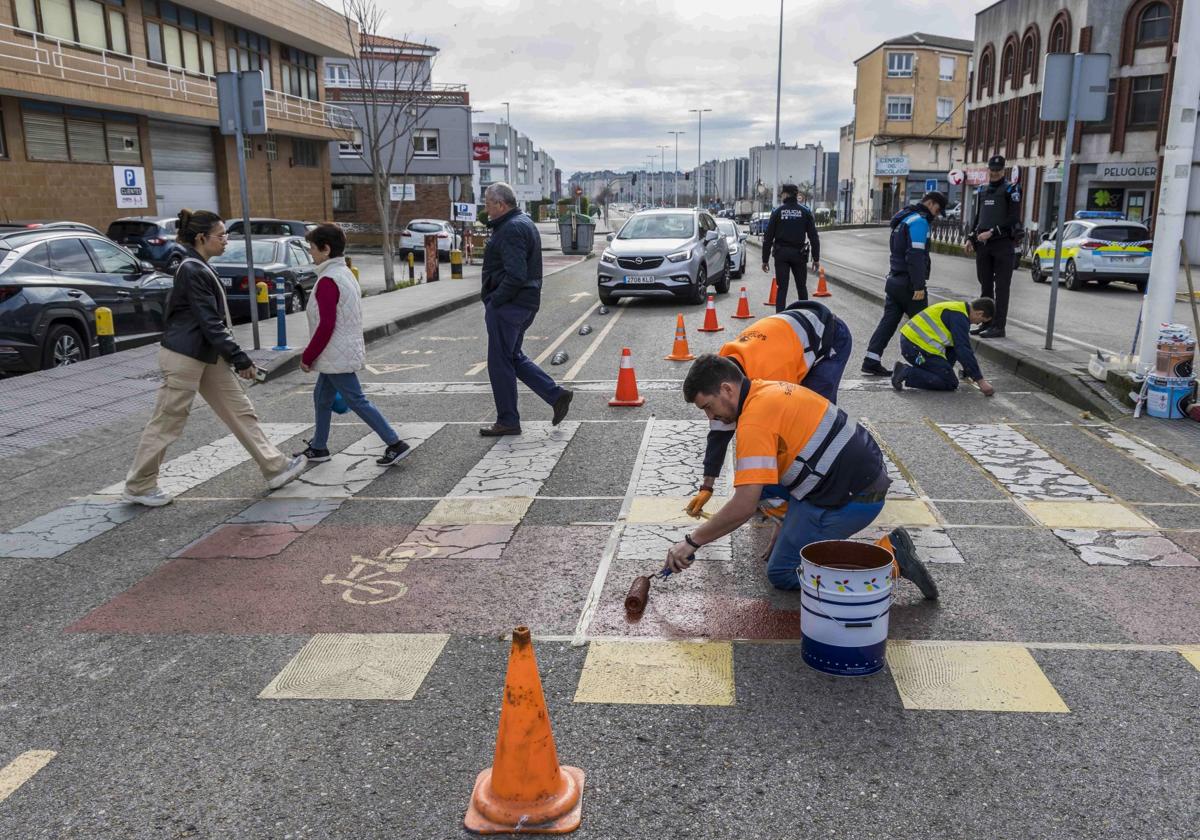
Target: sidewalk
(79,400)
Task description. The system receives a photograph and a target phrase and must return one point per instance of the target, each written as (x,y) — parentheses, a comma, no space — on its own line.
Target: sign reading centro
(891,165)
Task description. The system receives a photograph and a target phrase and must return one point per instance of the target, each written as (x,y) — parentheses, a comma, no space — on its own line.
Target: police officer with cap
(995,225)
(791,224)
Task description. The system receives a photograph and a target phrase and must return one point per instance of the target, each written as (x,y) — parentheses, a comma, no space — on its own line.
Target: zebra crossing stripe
(1150,458)
(518,465)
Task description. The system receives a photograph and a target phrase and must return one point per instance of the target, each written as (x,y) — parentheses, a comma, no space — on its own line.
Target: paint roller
(639,592)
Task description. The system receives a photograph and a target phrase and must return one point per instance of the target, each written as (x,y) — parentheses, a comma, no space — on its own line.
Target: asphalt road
(1043,696)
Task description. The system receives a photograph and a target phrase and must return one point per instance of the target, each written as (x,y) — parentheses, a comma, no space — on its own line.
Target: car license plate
(636,279)
(227,282)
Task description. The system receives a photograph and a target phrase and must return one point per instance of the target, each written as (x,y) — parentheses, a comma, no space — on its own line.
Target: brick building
(89,88)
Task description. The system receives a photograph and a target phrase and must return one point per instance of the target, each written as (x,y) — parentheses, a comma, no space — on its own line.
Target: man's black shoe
(496,430)
(873,367)
(561,406)
(898,373)
(962,374)
(976,330)
(398,451)
(910,565)
(993,332)
(314,456)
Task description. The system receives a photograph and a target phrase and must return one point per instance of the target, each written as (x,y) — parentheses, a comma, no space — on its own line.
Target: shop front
(1127,188)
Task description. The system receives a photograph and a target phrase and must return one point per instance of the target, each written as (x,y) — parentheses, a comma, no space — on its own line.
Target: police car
(1097,245)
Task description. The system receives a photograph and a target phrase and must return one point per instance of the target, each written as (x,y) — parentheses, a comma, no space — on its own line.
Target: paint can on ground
(1168,397)
(845,596)
(1175,350)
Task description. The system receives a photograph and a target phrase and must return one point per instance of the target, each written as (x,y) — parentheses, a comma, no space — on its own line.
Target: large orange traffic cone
(627,392)
(525,790)
(680,351)
(774,292)
(743,310)
(822,289)
(710,317)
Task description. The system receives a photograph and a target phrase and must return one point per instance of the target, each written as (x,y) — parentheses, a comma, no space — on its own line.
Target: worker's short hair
(938,198)
(707,374)
(328,236)
(790,188)
(985,305)
(502,192)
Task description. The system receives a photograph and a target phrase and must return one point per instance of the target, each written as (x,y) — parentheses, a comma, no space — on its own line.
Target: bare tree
(393,93)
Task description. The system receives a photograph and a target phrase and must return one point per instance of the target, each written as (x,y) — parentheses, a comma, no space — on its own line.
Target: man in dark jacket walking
(908,270)
(995,226)
(790,232)
(512,293)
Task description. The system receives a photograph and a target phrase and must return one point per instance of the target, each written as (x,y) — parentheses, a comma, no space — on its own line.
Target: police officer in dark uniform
(995,225)
(791,224)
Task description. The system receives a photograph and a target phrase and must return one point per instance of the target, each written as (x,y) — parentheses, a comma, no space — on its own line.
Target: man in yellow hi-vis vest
(935,339)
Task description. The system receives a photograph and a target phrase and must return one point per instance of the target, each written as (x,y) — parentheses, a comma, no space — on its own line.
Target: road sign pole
(1076,76)
(251,285)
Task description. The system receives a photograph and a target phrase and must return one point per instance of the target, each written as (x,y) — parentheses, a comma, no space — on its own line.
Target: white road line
(594,346)
(21,769)
(614,540)
(1082,646)
(475,369)
(567,333)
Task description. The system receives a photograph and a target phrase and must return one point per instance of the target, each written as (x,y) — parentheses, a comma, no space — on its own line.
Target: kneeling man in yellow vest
(935,339)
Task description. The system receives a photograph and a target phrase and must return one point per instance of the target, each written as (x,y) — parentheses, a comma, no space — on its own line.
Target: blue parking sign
(930,184)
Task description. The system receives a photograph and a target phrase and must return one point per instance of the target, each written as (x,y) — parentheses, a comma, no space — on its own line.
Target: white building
(800,165)
(513,158)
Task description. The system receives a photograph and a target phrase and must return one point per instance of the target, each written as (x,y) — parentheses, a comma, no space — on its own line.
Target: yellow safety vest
(927,331)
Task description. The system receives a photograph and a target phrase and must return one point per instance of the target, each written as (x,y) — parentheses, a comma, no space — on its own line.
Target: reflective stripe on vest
(811,332)
(927,331)
(818,455)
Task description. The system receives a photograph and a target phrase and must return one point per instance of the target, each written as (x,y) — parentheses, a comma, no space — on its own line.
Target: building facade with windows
(96,95)
(909,118)
(1115,162)
(505,154)
(801,165)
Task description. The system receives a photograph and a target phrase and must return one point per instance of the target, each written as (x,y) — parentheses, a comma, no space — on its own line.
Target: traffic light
(687,176)
(634,181)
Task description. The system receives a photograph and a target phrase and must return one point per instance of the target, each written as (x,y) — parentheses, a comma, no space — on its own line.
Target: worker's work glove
(696,505)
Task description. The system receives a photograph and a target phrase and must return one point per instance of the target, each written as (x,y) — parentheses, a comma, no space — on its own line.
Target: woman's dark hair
(193,223)
(328,236)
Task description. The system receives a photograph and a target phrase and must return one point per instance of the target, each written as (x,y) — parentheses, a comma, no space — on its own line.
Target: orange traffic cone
(822,289)
(627,392)
(774,292)
(710,318)
(525,790)
(885,542)
(680,351)
(743,310)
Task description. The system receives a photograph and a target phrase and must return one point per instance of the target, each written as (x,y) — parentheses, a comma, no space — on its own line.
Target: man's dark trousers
(928,372)
(994,262)
(789,258)
(898,302)
(826,375)
(507,362)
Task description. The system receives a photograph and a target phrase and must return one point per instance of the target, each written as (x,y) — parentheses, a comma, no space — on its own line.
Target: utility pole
(699,112)
(662,174)
(649,181)
(675,177)
(508,141)
(778,95)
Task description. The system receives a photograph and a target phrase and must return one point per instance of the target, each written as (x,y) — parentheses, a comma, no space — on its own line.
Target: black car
(18,227)
(270,227)
(51,281)
(150,238)
(275,258)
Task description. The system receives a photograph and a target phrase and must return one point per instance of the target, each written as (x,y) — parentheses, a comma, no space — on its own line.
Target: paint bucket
(1168,397)
(1174,357)
(845,595)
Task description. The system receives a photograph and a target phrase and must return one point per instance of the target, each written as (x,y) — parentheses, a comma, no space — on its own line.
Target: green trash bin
(576,232)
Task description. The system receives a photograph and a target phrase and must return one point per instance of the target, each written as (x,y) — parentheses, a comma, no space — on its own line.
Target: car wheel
(173,264)
(1071,278)
(295,301)
(700,287)
(63,346)
(722,284)
(1141,285)
(1036,273)
(607,299)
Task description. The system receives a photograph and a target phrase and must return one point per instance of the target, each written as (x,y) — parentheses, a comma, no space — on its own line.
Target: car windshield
(235,254)
(1120,233)
(727,227)
(120,230)
(659,226)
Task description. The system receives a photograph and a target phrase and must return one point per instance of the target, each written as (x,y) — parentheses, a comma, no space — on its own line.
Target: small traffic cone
(710,318)
(743,310)
(822,289)
(627,392)
(774,292)
(680,351)
(885,542)
(525,790)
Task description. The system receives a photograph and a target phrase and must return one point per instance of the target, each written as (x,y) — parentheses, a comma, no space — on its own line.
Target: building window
(425,145)
(93,23)
(272,144)
(945,107)
(1110,107)
(1029,53)
(987,69)
(352,150)
(179,37)
(1060,34)
(1147,101)
(900,64)
(343,198)
(247,147)
(80,135)
(899,107)
(1008,66)
(1154,26)
(249,51)
(299,73)
(946,68)
(305,153)
(337,74)
(3,139)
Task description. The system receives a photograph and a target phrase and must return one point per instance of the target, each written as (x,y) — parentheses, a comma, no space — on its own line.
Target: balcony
(353,90)
(33,64)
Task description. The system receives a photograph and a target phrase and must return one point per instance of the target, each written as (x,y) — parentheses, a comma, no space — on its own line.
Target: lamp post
(508,151)
(700,112)
(778,94)
(675,176)
(662,174)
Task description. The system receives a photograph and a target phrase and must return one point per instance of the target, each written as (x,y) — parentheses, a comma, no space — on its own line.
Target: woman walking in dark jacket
(199,355)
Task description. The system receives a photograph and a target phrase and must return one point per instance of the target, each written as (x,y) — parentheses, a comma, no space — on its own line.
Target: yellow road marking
(1191,654)
(1109,515)
(905,512)
(358,666)
(479,510)
(658,673)
(977,678)
(21,769)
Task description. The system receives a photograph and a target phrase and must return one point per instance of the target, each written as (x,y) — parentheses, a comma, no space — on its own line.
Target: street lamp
(700,112)
(662,175)
(675,176)
(508,152)
(778,93)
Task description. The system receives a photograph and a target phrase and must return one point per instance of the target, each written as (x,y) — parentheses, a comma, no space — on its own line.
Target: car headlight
(680,256)
(733,249)
(608,257)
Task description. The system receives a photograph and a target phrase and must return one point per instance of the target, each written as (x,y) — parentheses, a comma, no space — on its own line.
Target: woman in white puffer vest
(336,350)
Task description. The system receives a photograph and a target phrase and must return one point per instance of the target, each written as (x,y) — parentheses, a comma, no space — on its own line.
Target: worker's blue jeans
(806,523)
(928,372)
(826,375)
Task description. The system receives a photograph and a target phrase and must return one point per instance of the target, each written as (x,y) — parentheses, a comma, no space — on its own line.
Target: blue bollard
(280,316)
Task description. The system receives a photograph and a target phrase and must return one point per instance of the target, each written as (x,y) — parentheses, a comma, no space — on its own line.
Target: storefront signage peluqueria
(1127,171)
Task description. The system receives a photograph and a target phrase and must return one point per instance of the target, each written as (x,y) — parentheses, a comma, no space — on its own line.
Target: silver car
(665,253)
(737,246)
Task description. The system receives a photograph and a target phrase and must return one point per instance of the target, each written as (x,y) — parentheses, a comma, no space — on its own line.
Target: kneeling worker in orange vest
(806,344)
(793,442)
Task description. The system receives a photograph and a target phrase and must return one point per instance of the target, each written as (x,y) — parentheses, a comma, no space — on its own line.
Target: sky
(598,86)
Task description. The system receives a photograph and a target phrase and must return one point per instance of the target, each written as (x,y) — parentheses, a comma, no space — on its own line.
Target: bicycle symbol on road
(366,588)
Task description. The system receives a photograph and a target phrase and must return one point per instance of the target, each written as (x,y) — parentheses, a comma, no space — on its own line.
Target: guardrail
(949,231)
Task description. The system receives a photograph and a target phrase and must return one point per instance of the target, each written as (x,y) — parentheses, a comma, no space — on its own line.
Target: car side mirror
(610,237)
(710,236)
(742,237)
(1046,236)
(146,267)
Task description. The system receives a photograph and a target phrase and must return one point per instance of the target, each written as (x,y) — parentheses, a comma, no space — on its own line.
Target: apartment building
(108,108)
(800,165)
(505,154)
(909,120)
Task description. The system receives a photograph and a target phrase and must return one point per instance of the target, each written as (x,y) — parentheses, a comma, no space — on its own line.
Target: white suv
(1099,246)
(412,238)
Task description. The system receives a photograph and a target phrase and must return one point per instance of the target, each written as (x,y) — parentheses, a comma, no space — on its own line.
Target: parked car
(664,253)
(275,258)
(737,246)
(17,227)
(954,211)
(270,227)
(150,238)
(1097,246)
(53,278)
(412,238)
(758,223)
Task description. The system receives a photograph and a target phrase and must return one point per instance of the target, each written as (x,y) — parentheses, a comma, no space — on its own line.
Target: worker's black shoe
(963,375)
(910,565)
(993,332)
(978,328)
(873,367)
(898,373)
(561,405)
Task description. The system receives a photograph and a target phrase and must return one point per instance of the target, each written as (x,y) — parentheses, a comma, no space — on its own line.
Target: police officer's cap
(997,162)
(939,198)
(790,188)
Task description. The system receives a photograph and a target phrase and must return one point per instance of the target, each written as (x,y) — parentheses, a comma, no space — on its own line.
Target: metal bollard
(456,265)
(262,298)
(280,315)
(431,258)
(412,270)
(105,332)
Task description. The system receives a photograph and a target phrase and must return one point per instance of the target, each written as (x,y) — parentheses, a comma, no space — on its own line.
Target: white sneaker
(155,498)
(293,469)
